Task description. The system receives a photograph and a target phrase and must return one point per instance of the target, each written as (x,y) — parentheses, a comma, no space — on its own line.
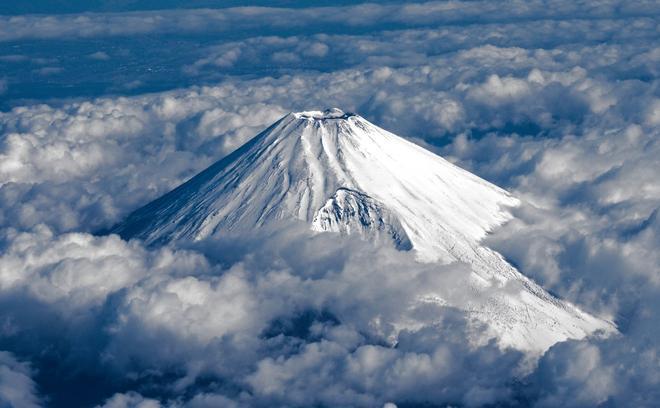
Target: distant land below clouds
(50,57)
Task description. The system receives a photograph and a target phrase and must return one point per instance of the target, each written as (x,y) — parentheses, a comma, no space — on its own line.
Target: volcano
(342,174)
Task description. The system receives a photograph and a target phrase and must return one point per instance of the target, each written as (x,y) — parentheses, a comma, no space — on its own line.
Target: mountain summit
(340,173)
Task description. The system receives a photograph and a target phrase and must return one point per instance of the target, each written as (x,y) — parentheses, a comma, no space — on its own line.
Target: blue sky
(104,106)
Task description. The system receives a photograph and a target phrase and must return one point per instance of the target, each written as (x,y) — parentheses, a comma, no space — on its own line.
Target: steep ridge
(341,173)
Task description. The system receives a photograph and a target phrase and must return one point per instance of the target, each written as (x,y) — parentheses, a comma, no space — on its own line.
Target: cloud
(100,56)
(17,389)
(130,400)
(55,269)
(418,46)
(577,375)
(45,71)
(207,55)
(244,19)
(557,104)
(275,306)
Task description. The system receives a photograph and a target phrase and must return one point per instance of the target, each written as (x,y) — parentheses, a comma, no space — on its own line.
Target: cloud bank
(558,104)
(370,15)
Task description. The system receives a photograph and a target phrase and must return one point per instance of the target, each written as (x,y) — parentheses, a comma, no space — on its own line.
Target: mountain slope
(303,160)
(341,173)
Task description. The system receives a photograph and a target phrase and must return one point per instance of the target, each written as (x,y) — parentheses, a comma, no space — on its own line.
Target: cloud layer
(371,15)
(558,104)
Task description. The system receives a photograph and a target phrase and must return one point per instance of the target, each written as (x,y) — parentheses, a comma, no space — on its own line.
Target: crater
(331,113)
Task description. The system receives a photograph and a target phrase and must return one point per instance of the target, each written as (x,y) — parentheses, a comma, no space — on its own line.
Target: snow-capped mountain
(340,173)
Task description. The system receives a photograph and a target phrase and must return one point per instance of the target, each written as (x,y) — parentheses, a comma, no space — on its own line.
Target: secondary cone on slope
(339,172)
